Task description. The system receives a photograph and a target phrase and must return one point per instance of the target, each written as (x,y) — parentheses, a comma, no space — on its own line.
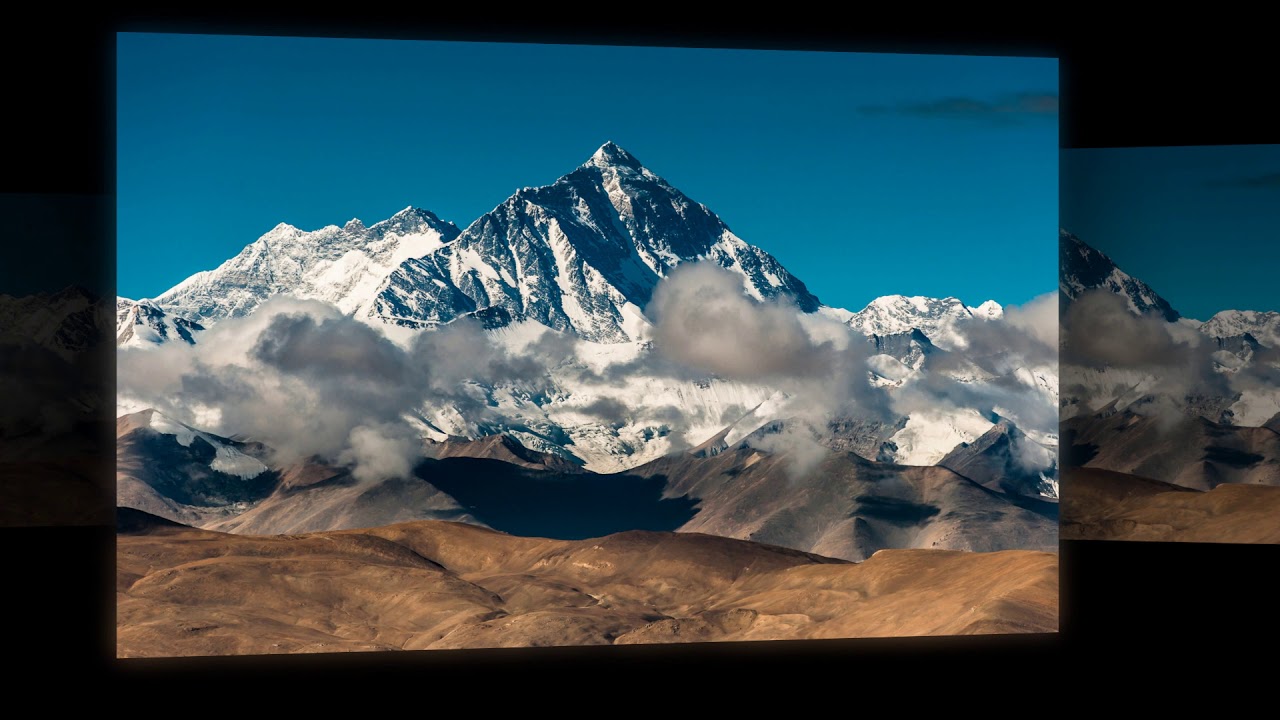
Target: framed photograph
(439,344)
(1171,344)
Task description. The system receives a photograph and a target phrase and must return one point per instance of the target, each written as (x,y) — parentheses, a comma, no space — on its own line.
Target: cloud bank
(308,381)
(704,322)
(1179,366)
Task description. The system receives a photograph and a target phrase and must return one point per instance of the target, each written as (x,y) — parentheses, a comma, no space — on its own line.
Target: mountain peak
(936,318)
(353,225)
(988,309)
(612,155)
(1083,267)
(415,219)
(412,211)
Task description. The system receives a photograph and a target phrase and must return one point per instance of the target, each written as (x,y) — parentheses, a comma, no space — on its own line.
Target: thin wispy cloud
(1009,108)
(1267,180)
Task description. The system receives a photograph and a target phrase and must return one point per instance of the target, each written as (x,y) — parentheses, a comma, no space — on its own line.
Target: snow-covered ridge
(341,265)
(935,317)
(580,255)
(1082,268)
(1235,333)
(1263,326)
(227,459)
(141,323)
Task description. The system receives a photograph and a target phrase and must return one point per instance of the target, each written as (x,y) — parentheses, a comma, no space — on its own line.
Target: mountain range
(607,443)
(582,257)
(1150,457)
(846,507)
(1083,268)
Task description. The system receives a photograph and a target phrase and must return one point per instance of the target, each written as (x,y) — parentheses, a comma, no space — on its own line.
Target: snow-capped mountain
(1082,268)
(910,348)
(1085,268)
(224,455)
(1005,459)
(1264,327)
(344,266)
(935,317)
(581,255)
(1232,336)
(609,424)
(67,322)
(140,323)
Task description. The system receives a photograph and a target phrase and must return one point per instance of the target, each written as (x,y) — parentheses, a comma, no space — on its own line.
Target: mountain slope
(1005,459)
(845,506)
(169,469)
(140,323)
(505,448)
(329,498)
(1263,327)
(1082,268)
(340,265)
(580,255)
(1188,451)
(935,317)
(69,322)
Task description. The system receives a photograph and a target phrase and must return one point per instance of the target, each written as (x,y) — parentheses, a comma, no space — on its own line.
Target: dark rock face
(1082,268)
(579,254)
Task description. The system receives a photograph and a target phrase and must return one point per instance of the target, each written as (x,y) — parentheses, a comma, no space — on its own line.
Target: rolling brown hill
(1105,505)
(433,584)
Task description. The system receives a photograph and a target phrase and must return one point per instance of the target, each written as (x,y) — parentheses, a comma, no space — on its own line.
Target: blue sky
(865,174)
(1200,225)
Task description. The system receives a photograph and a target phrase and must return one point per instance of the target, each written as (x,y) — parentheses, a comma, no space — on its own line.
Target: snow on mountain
(1007,459)
(1255,408)
(580,255)
(1082,268)
(609,424)
(52,346)
(140,323)
(1236,334)
(929,435)
(1041,379)
(344,266)
(1262,326)
(935,317)
(227,458)
(67,322)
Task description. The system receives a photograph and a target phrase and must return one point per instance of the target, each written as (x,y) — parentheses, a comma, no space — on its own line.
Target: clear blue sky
(865,174)
(1200,225)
